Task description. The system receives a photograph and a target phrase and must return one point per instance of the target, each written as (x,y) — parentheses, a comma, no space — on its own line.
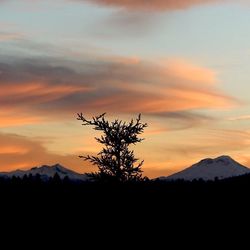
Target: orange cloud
(36,90)
(168,87)
(191,72)
(18,101)
(154,5)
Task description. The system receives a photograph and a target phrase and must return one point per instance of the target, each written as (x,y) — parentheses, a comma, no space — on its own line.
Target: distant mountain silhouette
(208,169)
(46,172)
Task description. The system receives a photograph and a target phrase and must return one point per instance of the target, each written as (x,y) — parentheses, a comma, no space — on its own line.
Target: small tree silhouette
(115,161)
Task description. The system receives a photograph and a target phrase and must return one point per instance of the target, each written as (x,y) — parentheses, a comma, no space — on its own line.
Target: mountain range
(208,169)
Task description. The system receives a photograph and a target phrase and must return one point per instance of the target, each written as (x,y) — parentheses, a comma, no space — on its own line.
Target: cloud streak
(7,36)
(240,118)
(43,89)
(154,5)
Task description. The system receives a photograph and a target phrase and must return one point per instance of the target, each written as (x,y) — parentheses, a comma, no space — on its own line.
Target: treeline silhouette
(150,190)
(130,203)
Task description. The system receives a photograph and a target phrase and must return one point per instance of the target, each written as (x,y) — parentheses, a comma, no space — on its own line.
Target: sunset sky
(183,64)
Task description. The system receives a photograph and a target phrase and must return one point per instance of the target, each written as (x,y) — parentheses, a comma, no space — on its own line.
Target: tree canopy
(116,162)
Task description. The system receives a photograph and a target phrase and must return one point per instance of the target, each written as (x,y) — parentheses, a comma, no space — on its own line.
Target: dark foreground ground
(59,208)
(151,195)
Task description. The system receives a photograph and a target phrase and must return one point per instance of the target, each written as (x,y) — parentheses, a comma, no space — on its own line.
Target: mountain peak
(208,169)
(224,158)
(57,165)
(46,172)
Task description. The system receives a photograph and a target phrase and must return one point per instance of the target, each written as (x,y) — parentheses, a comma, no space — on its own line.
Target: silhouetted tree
(38,178)
(115,161)
(25,179)
(56,180)
(66,180)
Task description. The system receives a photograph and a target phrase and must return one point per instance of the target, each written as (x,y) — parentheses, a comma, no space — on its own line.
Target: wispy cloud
(239,118)
(7,36)
(179,121)
(122,24)
(46,88)
(154,5)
